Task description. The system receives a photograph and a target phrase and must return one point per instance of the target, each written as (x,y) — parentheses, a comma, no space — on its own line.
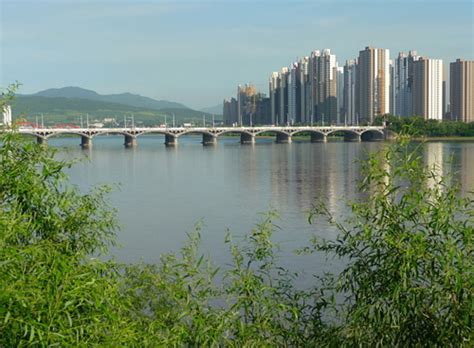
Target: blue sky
(197,52)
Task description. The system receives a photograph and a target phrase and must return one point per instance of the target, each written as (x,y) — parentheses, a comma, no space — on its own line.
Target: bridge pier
(319,138)
(283,138)
(171,140)
(352,137)
(86,142)
(41,140)
(130,141)
(209,139)
(246,138)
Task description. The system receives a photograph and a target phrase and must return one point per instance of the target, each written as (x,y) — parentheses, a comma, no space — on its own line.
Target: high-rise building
(323,80)
(462,90)
(428,88)
(263,110)
(402,84)
(245,104)
(350,93)
(446,116)
(294,94)
(230,114)
(305,91)
(373,84)
(340,94)
(274,93)
(283,87)
(7,115)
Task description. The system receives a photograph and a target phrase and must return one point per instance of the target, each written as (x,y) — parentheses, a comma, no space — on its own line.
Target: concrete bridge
(210,134)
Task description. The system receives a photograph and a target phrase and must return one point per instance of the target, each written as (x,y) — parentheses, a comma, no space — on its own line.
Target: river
(163,191)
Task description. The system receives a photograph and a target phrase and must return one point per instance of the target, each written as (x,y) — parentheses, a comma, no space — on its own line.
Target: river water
(163,191)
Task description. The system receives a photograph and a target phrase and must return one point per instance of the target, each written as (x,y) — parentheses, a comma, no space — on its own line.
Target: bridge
(210,134)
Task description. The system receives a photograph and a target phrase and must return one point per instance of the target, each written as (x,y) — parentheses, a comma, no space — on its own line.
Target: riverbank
(447,138)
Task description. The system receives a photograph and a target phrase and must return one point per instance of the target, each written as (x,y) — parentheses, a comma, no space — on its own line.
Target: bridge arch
(281,136)
(372,135)
(344,131)
(31,134)
(236,131)
(109,133)
(349,134)
(316,135)
(55,134)
(193,131)
(155,131)
(273,131)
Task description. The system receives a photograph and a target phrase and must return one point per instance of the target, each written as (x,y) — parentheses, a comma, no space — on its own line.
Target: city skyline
(197,52)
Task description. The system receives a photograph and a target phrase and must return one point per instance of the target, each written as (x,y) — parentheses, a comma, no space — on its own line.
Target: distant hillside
(216,109)
(69,110)
(122,98)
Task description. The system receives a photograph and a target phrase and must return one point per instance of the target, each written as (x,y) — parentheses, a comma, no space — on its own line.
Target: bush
(409,279)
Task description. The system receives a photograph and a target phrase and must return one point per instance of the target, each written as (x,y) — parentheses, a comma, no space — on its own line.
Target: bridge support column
(283,138)
(86,141)
(130,141)
(209,139)
(171,140)
(319,138)
(246,138)
(352,137)
(41,141)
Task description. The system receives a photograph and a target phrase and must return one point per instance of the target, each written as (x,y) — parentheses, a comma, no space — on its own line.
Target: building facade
(230,114)
(462,90)
(323,80)
(340,94)
(246,104)
(274,94)
(283,76)
(373,84)
(428,88)
(402,84)
(349,114)
(305,92)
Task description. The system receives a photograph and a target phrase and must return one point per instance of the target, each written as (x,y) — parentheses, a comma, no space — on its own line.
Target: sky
(198,52)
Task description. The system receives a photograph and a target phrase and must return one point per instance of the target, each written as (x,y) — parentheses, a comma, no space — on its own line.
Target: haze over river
(164,191)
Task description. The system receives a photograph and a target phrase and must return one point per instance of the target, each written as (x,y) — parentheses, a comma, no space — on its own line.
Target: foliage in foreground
(409,279)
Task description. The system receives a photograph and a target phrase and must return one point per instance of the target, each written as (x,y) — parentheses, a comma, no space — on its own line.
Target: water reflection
(165,190)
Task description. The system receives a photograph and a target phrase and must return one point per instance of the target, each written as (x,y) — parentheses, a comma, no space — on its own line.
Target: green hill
(122,98)
(69,110)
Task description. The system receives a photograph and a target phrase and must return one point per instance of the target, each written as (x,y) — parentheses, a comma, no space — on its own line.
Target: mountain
(57,110)
(122,98)
(216,109)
